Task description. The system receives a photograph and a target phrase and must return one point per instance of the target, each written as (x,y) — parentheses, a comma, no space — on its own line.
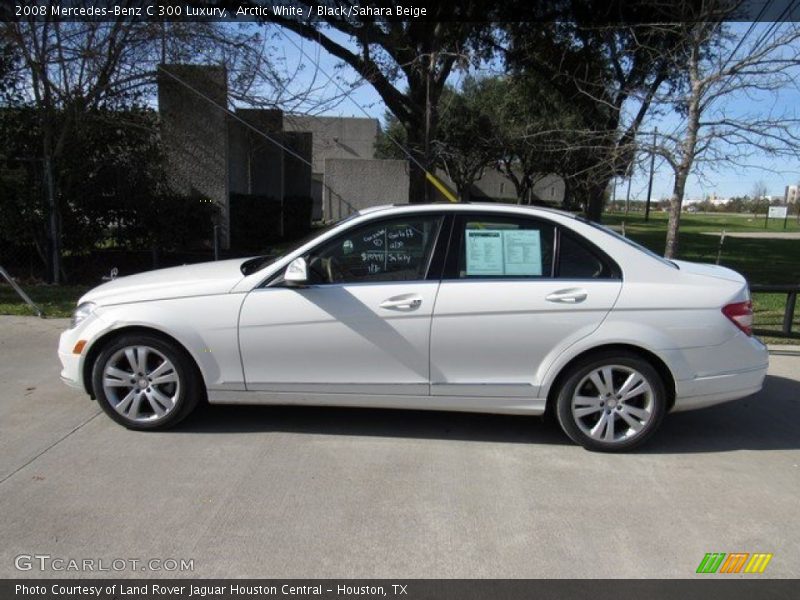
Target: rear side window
(579,260)
(499,246)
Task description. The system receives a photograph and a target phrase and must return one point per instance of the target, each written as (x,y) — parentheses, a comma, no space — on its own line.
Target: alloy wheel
(141,384)
(613,403)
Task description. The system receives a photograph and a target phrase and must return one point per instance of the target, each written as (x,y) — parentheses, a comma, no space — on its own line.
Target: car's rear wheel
(145,382)
(611,401)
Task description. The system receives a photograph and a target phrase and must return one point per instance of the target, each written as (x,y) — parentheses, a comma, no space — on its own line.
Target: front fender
(214,347)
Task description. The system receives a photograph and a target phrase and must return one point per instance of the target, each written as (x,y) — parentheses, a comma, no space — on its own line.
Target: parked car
(463,307)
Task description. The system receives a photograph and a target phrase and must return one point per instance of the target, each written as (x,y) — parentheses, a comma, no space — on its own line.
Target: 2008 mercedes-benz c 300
(466,307)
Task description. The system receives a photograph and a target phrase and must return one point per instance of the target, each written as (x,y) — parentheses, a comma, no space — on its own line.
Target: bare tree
(70,70)
(759,191)
(608,74)
(711,134)
(407,63)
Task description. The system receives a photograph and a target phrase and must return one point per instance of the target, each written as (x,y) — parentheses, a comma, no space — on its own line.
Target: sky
(724,182)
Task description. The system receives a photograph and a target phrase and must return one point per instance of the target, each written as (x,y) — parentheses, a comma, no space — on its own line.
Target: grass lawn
(54,300)
(760,260)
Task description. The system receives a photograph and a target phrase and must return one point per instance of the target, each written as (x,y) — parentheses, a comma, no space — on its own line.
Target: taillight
(741,314)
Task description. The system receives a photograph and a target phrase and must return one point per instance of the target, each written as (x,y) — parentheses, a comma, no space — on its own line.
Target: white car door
(363,324)
(515,293)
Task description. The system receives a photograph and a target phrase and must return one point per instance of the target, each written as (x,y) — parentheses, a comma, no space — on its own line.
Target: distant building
(495,186)
(792,194)
(718,200)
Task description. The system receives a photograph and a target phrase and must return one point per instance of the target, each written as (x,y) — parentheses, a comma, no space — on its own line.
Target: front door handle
(568,296)
(404,302)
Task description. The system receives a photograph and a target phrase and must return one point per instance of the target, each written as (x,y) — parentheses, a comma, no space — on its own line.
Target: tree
(710,134)
(391,139)
(528,124)
(759,190)
(407,63)
(73,69)
(609,74)
(112,187)
(465,145)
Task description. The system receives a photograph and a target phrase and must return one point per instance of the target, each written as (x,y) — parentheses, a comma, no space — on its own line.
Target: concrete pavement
(308,492)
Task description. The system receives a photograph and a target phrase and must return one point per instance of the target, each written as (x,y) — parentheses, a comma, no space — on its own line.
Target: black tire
(621,363)
(185,394)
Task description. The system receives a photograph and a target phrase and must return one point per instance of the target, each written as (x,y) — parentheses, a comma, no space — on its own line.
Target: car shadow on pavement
(368,422)
(769,420)
(766,421)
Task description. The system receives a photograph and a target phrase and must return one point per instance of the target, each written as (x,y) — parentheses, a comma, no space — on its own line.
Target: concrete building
(351,185)
(264,159)
(195,134)
(792,194)
(334,138)
(495,186)
(216,155)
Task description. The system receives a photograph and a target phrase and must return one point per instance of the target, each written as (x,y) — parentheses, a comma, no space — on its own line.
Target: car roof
(465,207)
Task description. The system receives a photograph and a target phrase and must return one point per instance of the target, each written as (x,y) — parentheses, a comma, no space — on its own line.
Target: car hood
(709,270)
(177,282)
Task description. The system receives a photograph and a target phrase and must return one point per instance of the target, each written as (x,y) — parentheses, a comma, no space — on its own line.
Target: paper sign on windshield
(517,253)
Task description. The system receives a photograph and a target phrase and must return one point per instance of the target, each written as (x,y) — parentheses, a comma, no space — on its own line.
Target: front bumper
(71,363)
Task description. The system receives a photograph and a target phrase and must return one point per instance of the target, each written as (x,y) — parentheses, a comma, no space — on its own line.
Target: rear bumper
(716,384)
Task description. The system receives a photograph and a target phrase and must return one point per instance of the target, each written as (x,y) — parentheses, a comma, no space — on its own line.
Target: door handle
(404,302)
(568,296)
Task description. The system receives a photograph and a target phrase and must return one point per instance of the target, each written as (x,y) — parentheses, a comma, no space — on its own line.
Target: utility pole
(650,182)
(428,117)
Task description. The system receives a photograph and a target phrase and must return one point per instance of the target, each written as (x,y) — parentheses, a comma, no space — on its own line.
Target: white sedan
(468,307)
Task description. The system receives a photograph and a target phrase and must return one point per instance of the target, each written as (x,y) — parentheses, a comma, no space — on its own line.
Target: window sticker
(484,252)
(516,253)
(522,251)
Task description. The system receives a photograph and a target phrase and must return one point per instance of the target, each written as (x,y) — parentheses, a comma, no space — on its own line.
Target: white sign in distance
(778,212)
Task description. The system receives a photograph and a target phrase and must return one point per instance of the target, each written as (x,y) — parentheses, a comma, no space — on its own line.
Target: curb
(786,350)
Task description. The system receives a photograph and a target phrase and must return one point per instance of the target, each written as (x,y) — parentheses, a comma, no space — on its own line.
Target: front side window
(396,249)
(501,247)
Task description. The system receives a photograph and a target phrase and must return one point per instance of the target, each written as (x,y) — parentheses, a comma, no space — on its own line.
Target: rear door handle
(404,302)
(568,296)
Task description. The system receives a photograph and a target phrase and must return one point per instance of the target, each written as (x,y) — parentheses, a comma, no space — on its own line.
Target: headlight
(83,311)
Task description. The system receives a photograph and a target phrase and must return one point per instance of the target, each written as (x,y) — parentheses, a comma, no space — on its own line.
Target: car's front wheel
(611,401)
(145,382)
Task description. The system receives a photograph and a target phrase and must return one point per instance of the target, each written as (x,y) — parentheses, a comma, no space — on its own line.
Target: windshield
(257,263)
(628,241)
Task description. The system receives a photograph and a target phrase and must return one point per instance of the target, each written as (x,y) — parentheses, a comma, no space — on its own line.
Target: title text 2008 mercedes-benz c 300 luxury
(469,307)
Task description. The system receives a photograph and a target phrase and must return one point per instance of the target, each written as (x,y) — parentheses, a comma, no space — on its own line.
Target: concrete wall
(351,185)
(297,172)
(255,164)
(336,137)
(195,133)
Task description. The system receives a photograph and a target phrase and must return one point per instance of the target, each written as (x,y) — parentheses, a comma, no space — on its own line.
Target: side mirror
(297,272)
